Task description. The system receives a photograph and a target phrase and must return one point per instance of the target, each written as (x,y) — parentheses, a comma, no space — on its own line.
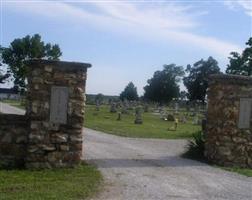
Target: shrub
(196,147)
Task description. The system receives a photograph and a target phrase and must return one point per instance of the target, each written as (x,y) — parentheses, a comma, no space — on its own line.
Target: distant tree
(26,48)
(129,93)
(3,76)
(197,80)
(163,86)
(241,64)
(99,98)
(183,95)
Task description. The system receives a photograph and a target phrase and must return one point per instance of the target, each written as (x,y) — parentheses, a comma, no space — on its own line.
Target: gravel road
(136,169)
(6,108)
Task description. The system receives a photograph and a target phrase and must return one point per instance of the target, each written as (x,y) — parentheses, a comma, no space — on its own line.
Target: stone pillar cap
(230,78)
(62,64)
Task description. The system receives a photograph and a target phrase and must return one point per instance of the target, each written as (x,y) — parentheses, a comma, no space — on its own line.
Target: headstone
(174,128)
(146,108)
(119,118)
(195,120)
(161,109)
(97,105)
(245,113)
(163,114)
(113,107)
(125,106)
(176,123)
(58,106)
(138,115)
(183,119)
(187,108)
(193,112)
(118,105)
(170,117)
(124,110)
(176,107)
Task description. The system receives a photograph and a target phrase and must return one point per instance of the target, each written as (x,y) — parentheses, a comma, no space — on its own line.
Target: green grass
(152,127)
(16,103)
(80,182)
(243,171)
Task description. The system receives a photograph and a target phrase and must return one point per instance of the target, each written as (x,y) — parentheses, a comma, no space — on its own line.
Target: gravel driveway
(6,108)
(137,169)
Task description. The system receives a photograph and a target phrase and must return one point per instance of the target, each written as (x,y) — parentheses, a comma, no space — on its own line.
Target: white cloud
(162,21)
(246,5)
(167,17)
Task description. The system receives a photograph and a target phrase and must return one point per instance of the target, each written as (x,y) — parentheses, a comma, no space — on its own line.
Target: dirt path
(137,169)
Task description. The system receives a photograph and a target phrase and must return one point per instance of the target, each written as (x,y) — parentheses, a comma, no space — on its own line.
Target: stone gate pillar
(229,121)
(56,94)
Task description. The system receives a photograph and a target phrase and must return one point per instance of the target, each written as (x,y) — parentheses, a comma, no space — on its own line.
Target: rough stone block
(228,137)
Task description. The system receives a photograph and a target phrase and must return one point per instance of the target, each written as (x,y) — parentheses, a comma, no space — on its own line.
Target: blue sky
(129,40)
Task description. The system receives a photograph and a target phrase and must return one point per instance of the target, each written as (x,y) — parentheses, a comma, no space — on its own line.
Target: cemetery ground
(152,127)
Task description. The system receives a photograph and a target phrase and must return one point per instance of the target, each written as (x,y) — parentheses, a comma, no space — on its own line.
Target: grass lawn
(15,103)
(243,171)
(64,184)
(152,127)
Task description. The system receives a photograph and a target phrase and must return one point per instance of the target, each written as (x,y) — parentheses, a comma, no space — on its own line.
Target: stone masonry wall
(14,130)
(50,134)
(53,144)
(226,143)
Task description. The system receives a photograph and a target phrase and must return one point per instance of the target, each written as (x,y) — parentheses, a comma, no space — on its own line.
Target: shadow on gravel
(171,161)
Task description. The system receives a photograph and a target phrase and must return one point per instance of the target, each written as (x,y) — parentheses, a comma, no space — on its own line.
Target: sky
(130,40)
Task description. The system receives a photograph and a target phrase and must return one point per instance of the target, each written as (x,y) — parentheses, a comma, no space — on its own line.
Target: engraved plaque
(244,113)
(58,106)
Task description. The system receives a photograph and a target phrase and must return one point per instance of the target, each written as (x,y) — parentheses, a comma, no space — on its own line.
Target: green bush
(196,147)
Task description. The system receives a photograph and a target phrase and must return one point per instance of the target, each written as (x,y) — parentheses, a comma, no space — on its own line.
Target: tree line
(162,87)
(164,84)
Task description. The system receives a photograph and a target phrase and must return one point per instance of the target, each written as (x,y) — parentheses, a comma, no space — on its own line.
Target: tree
(129,93)
(241,64)
(26,48)
(3,76)
(197,80)
(183,95)
(99,98)
(163,86)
